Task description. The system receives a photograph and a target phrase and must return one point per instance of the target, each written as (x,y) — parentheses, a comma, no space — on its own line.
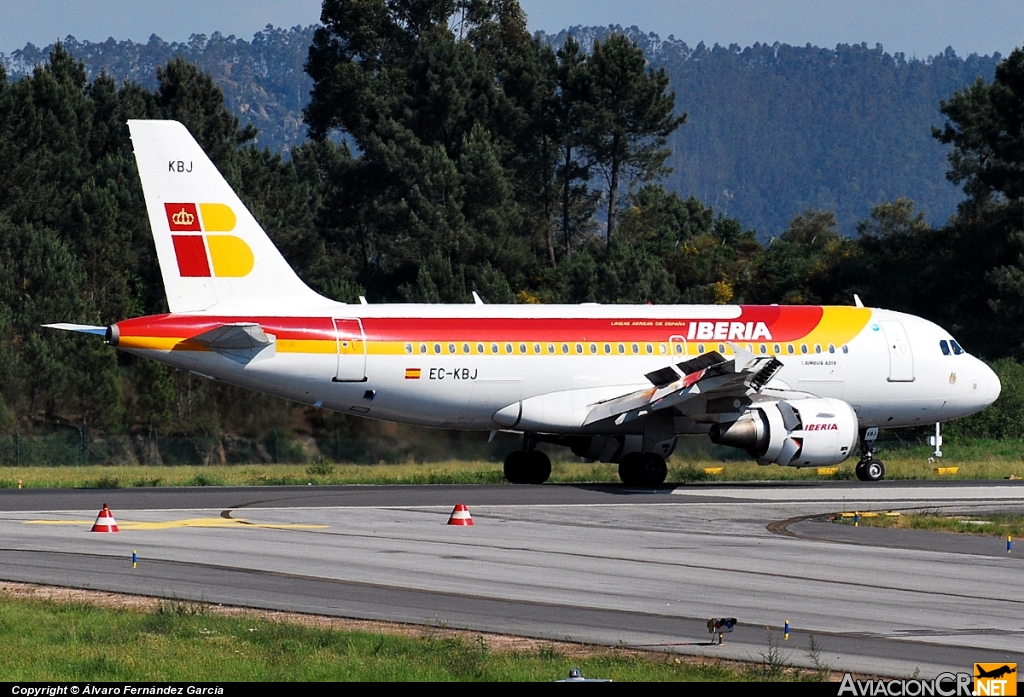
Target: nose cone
(988,386)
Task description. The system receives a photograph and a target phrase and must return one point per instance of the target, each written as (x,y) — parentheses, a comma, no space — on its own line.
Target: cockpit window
(956,348)
(945,347)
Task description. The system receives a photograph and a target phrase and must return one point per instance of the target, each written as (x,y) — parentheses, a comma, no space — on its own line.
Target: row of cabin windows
(607,349)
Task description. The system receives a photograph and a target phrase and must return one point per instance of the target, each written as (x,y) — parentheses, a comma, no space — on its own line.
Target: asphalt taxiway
(591,563)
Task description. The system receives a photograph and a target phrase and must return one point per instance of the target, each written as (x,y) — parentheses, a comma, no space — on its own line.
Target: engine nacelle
(800,433)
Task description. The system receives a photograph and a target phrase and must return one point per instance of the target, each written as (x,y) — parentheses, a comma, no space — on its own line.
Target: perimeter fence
(79,447)
(74,446)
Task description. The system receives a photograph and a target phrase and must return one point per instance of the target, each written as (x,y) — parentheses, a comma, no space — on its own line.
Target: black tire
(654,470)
(874,471)
(630,468)
(527,467)
(870,470)
(517,467)
(643,469)
(540,467)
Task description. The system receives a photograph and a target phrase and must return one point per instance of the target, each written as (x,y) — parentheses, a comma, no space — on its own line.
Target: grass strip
(987,524)
(900,465)
(141,639)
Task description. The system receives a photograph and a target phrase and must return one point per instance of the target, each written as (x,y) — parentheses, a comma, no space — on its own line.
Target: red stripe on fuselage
(786,323)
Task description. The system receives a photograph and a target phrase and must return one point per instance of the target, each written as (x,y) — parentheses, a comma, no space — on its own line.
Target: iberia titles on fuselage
(792,385)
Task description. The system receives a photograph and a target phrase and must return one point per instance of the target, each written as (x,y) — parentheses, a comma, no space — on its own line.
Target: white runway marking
(866,493)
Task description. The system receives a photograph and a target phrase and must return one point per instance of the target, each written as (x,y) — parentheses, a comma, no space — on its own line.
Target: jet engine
(799,433)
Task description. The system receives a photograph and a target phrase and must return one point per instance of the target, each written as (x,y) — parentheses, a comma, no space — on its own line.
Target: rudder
(212,252)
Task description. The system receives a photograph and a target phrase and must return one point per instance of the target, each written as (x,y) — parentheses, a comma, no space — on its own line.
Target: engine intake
(802,433)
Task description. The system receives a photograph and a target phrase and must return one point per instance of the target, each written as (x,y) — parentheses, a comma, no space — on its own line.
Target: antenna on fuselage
(856,301)
(476,299)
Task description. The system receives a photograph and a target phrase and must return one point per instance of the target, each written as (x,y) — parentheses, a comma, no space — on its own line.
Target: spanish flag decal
(412,373)
(203,256)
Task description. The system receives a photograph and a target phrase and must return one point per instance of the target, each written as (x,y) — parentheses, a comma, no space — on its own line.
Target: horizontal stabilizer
(80,328)
(241,342)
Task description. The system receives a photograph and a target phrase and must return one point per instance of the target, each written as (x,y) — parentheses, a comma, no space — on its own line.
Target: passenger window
(721,349)
(817,348)
(437,348)
(522,348)
(479,348)
(831,348)
(579,348)
(679,348)
(650,349)
(465,348)
(776,350)
(607,348)
(551,348)
(662,349)
(764,349)
(451,348)
(700,348)
(508,348)
(636,349)
(494,348)
(945,347)
(408,348)
(789,349)
(803,348)
(536,348)
(846,349)
(423,348)
(622,349)
(565,348)
(593,348)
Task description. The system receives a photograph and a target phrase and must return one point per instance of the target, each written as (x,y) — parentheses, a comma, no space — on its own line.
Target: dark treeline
(262,80)
(481,159)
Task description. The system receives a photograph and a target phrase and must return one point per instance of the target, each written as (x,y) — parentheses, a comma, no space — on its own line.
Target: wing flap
(709,374)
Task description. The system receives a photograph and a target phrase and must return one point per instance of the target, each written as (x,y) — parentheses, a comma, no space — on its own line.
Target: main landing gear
(527,467)
(642,469)
(869,468)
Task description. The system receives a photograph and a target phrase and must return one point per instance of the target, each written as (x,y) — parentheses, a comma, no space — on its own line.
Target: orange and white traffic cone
(105,521)
(460,516)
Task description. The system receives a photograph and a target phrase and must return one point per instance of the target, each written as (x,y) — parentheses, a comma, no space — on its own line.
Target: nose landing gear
(869,468)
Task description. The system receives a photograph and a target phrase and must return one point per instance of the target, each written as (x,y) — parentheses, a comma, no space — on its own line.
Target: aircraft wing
(707,375)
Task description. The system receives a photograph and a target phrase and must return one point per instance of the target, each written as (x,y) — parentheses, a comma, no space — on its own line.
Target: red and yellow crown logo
(206,255)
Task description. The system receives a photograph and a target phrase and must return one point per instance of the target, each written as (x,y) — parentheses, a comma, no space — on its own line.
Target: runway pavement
(593,563)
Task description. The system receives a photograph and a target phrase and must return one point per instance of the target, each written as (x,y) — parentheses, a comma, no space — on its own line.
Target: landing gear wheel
(642,469)
(527,467)
(870,470)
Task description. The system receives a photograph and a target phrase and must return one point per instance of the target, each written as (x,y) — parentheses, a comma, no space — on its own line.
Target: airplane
(995,672)
(800,386)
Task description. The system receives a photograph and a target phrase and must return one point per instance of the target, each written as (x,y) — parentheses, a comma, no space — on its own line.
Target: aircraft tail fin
(213,254)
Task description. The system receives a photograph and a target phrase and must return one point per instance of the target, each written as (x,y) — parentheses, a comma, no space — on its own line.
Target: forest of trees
(760,143)
(451,151)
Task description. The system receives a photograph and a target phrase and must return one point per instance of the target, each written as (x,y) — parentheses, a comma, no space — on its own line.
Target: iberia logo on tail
(206,255)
